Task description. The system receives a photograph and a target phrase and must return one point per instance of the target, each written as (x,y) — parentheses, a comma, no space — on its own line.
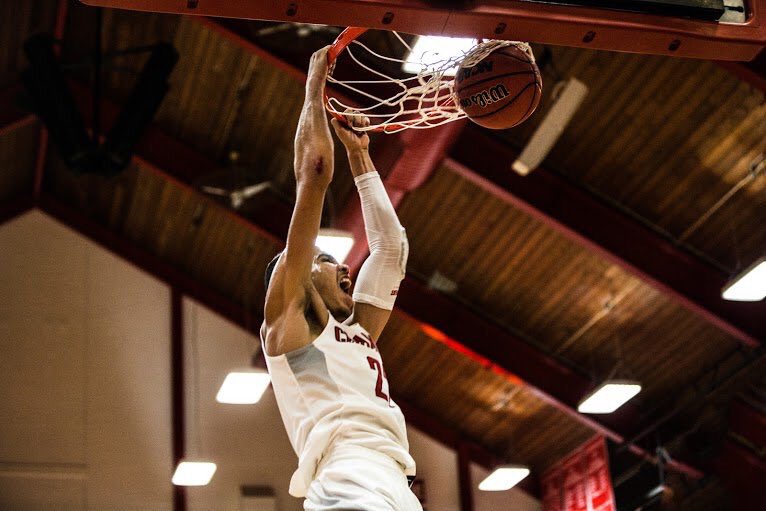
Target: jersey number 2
(375,364)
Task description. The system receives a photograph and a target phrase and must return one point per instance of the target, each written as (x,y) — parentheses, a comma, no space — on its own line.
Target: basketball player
(320,341)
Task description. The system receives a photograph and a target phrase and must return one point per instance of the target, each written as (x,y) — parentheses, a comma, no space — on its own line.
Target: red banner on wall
(580,482)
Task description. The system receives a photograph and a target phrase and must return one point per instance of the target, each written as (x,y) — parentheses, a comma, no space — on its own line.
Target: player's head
(331,280)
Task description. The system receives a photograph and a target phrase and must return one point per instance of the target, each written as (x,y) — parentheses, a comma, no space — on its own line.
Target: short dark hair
(270,270)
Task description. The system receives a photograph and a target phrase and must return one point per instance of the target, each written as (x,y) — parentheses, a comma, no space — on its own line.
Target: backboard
(707,29)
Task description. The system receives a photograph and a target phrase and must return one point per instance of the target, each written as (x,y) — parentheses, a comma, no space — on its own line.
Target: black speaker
(53,102)
(141,106)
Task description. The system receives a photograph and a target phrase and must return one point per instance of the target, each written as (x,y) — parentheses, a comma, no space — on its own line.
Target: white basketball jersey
(334,392)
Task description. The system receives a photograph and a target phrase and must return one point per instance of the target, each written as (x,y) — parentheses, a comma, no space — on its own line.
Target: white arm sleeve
(380,275)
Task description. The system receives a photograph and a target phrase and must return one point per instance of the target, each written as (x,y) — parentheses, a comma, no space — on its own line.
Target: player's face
(333,283)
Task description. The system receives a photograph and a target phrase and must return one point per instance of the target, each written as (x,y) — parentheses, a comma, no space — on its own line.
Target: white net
(423,100)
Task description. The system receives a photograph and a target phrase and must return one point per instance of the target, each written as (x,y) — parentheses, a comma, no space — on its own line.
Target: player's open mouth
(345,283)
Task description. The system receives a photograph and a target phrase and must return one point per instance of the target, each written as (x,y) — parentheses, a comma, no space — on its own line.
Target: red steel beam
(464,478)
(604,230)
(177,390)
(753,72)
(563,25)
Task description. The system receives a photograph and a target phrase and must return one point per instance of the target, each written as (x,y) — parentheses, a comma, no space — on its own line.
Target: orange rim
(345,38)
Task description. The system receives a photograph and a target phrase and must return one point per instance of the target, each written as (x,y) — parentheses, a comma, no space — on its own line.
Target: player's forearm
(379,277)
(360,162)
(380,219)
(314,155)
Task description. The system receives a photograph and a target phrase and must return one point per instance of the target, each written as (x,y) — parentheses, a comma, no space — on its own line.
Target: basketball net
(424,100)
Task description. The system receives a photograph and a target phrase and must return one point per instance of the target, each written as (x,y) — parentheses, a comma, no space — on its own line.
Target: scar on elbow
(319,167)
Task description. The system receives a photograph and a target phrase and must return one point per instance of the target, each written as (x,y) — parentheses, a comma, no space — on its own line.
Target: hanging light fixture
(194,473)
(609,396)
(749,285)
(243,386)
(504,478)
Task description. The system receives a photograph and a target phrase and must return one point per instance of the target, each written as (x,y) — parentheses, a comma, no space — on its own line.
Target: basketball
(502,90)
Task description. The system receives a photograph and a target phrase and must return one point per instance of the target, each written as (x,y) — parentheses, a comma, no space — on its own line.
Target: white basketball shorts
(352,478)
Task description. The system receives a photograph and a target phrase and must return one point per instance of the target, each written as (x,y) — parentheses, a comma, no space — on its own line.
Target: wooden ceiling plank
(589,222)
(687,153)
(685,102)
(592,118)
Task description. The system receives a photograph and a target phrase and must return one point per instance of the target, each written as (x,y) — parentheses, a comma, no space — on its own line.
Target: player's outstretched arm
(286,325)
(378,281)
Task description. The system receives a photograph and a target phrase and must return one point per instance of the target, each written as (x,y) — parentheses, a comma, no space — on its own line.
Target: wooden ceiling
(666,139)
(661,139)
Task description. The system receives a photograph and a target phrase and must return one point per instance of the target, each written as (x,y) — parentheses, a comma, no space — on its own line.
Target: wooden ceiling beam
(601,228)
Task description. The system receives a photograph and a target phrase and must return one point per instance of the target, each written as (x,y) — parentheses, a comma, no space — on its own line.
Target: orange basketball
(502,90)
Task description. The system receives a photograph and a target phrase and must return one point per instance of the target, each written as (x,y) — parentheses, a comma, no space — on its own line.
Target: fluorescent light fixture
(335,242)
(504,478)
(243,387)
(571,94)
(748,286)
(429,51)
(609,396)
(193,473)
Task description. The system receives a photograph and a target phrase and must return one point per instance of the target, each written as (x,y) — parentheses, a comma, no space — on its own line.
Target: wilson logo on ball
(467,72)
(502,89)
(486,97)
